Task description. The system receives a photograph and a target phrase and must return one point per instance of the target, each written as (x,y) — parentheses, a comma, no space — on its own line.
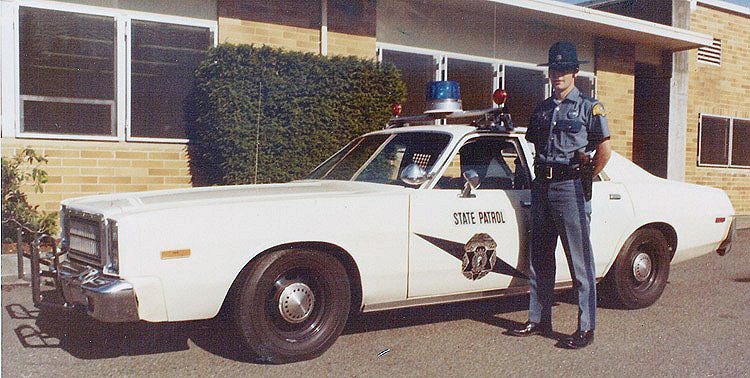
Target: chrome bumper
(726,244)
(108,299)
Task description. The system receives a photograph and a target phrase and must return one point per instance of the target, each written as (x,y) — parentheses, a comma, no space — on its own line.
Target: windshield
(380,158)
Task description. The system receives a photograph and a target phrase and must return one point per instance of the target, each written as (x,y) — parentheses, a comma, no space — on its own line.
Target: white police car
(405,216)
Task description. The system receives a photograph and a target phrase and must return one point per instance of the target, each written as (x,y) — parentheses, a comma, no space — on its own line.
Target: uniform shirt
(558,130)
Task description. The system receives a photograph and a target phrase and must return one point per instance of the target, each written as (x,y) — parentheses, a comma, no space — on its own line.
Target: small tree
(23,170)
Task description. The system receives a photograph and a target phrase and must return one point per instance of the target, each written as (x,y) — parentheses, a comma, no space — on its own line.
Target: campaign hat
(563,54)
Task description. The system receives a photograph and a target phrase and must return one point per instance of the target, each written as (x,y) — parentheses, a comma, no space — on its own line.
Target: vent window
(711,54)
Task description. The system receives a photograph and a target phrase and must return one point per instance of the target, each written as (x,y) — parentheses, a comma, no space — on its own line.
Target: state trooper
(564,129)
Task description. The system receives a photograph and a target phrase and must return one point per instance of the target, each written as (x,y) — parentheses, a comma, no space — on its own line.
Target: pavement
(699,327)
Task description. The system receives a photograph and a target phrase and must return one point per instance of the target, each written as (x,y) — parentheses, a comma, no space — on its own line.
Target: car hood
(121,203)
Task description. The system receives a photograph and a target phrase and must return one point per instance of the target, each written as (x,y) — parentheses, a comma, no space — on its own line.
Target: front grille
(84,234)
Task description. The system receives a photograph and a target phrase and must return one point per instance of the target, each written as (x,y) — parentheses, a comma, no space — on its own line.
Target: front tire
(292,305)
(640,272)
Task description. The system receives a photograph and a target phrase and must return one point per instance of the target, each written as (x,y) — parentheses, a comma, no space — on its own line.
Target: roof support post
(678,99)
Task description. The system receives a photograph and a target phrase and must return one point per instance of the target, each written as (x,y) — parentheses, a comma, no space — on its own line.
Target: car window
(495,159)
(404,149)
(379,158)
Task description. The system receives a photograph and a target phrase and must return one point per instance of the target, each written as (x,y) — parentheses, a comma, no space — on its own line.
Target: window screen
(164,59)
(741,142)
(526,89)
(416,71)
(585,85)
(714,140)
(67,72)
(475,79)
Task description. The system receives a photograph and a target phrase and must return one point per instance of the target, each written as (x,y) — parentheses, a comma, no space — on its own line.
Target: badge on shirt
(598,110)
(573,114)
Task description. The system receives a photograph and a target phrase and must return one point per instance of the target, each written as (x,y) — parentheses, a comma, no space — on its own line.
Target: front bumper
(105,298)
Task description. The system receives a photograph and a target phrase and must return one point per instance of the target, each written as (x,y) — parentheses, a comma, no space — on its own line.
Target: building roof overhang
(608,25)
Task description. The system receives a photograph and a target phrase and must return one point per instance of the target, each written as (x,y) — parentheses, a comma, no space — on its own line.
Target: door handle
(525,203)
(615,196)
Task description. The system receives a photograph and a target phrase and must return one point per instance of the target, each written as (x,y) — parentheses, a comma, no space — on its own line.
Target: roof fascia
(727,6)
(686,39)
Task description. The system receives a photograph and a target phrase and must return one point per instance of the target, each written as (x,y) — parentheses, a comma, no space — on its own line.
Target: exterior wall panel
(720,90)
(615,72)
(78,168)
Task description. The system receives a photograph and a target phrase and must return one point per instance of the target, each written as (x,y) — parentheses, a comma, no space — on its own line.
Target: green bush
(24,170)
(310,106)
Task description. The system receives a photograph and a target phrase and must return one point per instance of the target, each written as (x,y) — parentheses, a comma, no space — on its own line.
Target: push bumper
(726,244)
(105,298)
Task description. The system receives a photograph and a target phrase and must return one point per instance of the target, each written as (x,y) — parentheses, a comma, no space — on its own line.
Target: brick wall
(615,86)
(78,168)
(347,44)
(232,30)
(723,91)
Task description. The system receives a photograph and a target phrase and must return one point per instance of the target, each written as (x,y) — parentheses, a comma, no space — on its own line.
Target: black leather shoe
(579,339)
(531,329)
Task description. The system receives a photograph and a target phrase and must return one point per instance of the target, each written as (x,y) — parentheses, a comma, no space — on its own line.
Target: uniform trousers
(559,208)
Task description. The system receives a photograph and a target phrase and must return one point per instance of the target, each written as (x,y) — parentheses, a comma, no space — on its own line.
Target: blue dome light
(443,97)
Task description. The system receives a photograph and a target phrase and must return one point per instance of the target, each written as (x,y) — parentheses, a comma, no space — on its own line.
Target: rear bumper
(726,244)
(105,298)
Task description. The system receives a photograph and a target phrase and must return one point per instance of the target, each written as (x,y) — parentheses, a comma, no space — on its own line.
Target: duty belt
(556,172)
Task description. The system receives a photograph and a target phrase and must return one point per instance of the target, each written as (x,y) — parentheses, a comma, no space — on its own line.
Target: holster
(586,168)
(587,181)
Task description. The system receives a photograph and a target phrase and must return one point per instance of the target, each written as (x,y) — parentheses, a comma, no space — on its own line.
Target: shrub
(301,107)
(23,170)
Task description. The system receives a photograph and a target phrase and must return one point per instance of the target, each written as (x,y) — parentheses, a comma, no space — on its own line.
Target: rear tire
(640,272)
(292,305)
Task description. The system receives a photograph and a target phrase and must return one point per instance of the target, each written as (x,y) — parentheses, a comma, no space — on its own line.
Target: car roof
(457,131)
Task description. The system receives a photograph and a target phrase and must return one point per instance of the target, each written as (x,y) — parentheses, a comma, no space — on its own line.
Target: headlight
(113,256)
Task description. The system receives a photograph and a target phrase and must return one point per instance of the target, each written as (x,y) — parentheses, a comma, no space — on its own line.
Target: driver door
(468,244)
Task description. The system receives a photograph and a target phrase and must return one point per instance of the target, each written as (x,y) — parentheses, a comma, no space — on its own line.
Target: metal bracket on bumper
(105,298)
(726,244)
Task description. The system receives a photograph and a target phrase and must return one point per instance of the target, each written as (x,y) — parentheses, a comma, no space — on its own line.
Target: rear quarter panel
(690,209)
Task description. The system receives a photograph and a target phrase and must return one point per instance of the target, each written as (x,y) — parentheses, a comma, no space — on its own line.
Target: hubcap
(296,302)
(642,267)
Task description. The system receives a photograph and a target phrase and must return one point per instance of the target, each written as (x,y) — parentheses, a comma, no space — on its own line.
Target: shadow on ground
(86,338)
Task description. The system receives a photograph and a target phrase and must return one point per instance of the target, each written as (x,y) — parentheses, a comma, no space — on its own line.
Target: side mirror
(414,174)
(472,183)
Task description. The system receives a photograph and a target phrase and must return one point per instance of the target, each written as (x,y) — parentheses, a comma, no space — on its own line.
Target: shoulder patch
(598,110)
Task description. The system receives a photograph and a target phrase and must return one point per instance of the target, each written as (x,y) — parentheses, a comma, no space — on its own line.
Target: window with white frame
(723,141)
(476,82)
(67,72)
(585,85)
(526,88)
(526,84)
(87,72)
(163,59)
(416,71)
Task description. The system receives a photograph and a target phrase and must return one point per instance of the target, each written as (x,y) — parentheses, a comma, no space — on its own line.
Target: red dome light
(396,109)
(499,96)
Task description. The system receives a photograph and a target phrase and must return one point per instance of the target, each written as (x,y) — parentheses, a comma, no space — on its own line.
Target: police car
(404,216)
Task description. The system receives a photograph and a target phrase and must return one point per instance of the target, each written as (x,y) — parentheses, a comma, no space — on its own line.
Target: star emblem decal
(458,250)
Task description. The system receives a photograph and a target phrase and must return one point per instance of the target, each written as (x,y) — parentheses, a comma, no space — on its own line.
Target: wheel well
(339,253)
(669,234)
